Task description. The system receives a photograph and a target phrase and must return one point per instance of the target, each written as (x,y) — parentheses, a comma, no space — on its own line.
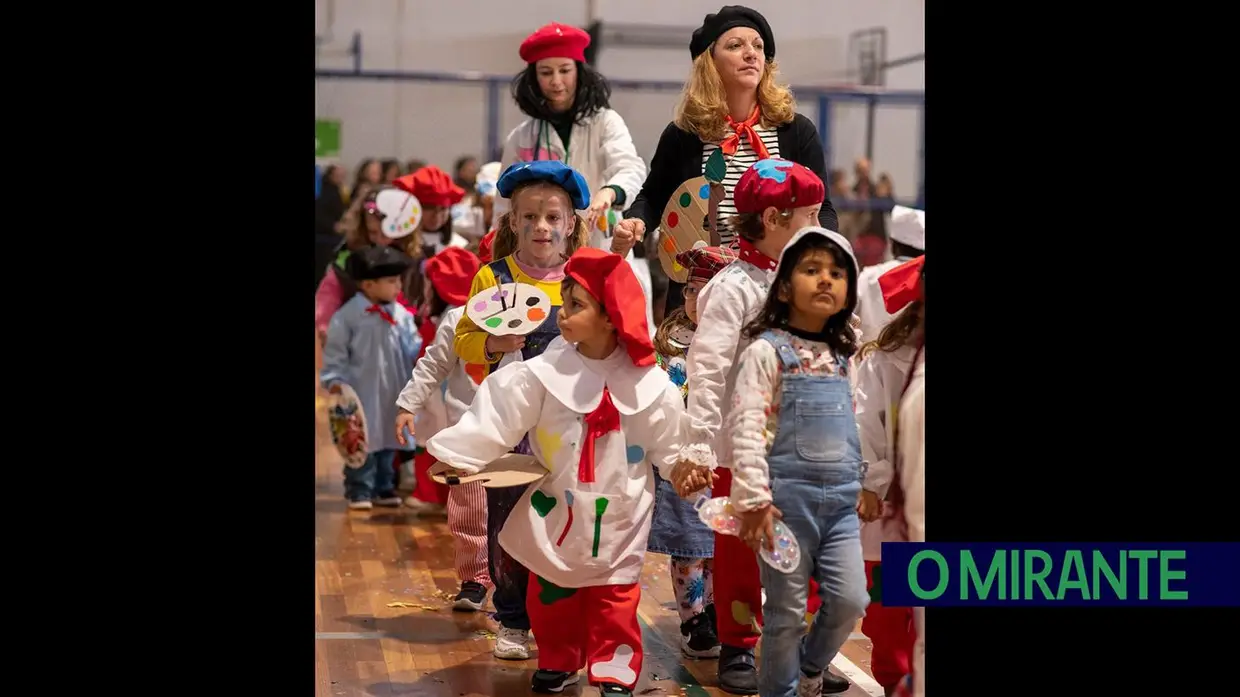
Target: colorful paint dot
(495,297)
(494,322)
(480,306)
(568,497)
(672,219)
(635,454)
(676,267)
(535,313)
(542,503)
(669,244)
(685,199)
(704,192)
(601,223)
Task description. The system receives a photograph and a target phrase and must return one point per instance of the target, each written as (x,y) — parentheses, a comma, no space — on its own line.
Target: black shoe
(552,681)
(387,499)
(609,688)
(472,596)
(697,637)
(737,672)
(832,683)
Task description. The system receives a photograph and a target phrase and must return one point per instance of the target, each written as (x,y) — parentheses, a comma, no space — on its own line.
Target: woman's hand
(599,203)
(758,527)
(628,232)
(497,345)
(403,420)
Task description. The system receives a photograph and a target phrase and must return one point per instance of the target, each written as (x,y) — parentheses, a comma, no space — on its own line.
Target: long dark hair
(839,333)
(593,94)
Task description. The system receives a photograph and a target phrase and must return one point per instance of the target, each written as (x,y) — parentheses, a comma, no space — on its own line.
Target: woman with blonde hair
(733,101)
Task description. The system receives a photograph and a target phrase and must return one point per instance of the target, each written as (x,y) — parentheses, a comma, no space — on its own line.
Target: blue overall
(510,578)
(815,472)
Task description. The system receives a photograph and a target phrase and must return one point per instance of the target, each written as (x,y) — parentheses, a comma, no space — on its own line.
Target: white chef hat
(908,226)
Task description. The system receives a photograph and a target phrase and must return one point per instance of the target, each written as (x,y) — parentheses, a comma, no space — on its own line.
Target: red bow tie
(387,317)
(750,253)
(599,422)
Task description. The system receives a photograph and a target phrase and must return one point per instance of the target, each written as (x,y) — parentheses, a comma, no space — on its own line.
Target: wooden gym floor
(383,622)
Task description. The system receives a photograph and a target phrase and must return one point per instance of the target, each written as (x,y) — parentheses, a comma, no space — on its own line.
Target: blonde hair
(703,107)
(505,243)
(663,336)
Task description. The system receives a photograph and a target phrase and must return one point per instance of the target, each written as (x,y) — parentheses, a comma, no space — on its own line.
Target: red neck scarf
(745,128)
(604,419)
(751,254)
(387,317)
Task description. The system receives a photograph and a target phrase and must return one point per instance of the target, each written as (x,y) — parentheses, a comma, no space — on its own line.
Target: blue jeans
(510,578)
(376,476)
(819,508)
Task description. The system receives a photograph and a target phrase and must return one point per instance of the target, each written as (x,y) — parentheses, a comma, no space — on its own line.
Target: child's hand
(497,345)
(688,478)
(758,526)
(627,233)
(868,506)
(403,420)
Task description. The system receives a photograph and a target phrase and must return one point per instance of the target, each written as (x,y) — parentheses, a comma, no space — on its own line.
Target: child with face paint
(599,413)
(532,244)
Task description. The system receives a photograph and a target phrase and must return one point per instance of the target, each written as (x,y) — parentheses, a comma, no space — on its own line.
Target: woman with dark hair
(369,174)
(732,102)
(391,170)
(571,120)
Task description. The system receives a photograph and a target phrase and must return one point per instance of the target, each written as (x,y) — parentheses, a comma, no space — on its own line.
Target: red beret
(902,285)
(777,183)
(484,247)
(555,41)
(610,280)
(704,262)
(432,187)
(451,272)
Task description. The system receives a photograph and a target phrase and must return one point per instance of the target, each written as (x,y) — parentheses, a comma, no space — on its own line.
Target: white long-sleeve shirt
(880,378)
(913,479)
(423,396)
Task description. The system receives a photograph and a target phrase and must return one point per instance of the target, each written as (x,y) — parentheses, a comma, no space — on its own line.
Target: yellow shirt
(471,341)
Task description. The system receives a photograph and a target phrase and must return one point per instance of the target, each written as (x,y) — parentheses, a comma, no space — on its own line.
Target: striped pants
(467,521)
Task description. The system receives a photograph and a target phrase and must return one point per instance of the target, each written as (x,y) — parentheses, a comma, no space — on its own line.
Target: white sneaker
(361,505)
(422,508)
(810,687)
(512,644)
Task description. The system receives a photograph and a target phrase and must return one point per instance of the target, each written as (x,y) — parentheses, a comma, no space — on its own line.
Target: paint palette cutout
(718,515)
(606,222)
(509,309)
(510,470)
(347,423)
(402,211)
(684,225)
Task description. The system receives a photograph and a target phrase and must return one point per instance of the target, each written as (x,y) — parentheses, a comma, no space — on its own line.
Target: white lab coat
(913,479)
(572,533)
(436,407)
(880,378)
(870,307)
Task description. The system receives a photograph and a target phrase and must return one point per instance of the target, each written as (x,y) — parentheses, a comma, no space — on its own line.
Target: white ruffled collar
(577,382)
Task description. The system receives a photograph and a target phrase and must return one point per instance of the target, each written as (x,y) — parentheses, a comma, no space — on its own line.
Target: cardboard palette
(347,423)
(402,212)
(685,225)
(509,470)
(509,309)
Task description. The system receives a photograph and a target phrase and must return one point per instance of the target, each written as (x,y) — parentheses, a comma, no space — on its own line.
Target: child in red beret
(599,412)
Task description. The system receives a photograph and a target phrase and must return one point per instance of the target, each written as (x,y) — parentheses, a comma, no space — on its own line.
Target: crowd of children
(747,392)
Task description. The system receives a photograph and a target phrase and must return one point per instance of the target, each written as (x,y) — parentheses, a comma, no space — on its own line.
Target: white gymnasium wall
(437,122)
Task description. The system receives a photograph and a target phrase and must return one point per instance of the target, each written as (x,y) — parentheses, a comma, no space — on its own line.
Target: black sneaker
(826,683)
(738,674)
(697,637)
(471,597)
(387,499)
(552,681)
(610,688)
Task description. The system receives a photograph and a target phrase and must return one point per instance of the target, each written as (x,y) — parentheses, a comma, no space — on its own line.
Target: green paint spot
(550,592)
(876,588)
(685,200)
(494,322)
(341,258)
(600,507)
(542,503)
(716,168)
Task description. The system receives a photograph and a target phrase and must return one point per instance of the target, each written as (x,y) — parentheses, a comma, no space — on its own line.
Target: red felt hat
(484,247)
(777,183)
(555,41)
(451,272)
(902,285)
(432,187)
(610,280)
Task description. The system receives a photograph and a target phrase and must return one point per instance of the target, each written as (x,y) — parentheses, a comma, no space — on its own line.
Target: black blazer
(678,158)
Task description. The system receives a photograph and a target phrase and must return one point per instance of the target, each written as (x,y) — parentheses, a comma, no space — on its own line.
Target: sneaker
(610,688)
(471,598)
(387,499)
(825,683)
(512,644)
(552,681)
(424,509)
(360,505)
(698,639)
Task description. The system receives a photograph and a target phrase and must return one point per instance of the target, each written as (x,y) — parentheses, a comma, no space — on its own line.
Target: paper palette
(510,309)
(401,212)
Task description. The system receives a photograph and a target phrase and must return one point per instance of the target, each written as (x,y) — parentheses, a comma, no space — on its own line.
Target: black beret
(375,262)
(729,17)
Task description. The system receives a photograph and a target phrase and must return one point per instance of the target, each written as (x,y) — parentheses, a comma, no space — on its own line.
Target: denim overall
(815,472)
(675,528)
(510,578)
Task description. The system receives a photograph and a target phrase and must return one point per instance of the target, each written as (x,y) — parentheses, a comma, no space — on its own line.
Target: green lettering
(1073,562)
(1015,565)
(1038,577)
(1143,576)
(969,574)
(1118,585)
(1165,574)
(912,574)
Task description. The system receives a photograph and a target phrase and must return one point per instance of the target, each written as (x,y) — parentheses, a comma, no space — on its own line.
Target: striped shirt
(744,158)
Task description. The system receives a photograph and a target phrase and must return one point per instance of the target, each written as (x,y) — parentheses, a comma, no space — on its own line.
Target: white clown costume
(908,227)
(596,426)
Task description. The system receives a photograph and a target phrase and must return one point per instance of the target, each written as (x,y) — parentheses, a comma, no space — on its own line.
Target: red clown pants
(891,631)
(595,625)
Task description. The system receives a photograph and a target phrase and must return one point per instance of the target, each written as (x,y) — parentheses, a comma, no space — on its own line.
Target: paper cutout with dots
(617,668)
(684,225)
(511,309)
(402,212)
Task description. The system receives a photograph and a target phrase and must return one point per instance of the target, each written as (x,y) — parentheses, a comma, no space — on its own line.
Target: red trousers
(738,588)
(891,631)
(595,625)
(425,488)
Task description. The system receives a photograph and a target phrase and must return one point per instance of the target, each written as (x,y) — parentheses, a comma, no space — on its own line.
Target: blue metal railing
(496,84)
